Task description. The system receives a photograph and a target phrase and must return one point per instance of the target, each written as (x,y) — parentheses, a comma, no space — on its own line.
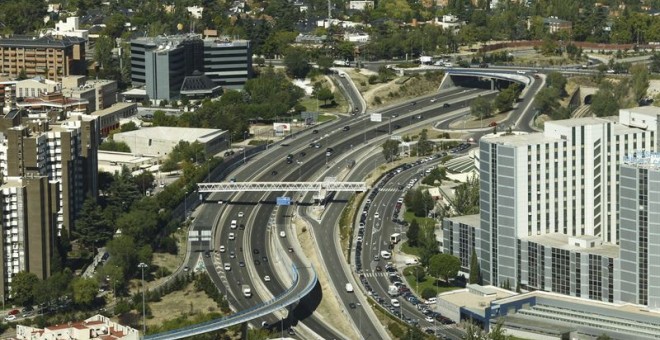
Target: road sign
(376,117)
(283,201)
(396,137)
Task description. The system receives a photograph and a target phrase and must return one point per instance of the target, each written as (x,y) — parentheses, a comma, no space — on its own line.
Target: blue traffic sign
(283,201)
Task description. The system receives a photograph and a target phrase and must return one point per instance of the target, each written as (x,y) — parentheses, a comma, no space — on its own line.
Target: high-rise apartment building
(549,211)
(161,63)
(50,57)
(48,168)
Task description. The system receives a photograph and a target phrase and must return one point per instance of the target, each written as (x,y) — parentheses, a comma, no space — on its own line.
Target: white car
(232,236)
(520,72)
(227,267)
(222,249)
(282,233)
(267,278)
(395,303)
(376,215)
(10,317)
(434,100)
(240,214)
(429,319)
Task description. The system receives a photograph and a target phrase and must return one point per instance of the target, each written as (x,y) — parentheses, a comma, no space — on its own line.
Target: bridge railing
(267,307)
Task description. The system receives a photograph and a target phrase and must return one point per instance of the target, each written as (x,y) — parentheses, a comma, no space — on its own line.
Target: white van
(349,288)
(385,255)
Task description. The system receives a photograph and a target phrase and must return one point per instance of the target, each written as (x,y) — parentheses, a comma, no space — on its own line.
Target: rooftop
(45,41)
(470,298)
(583,121)
(651,111)
(561,241)
(523,139)
(471,220)
(174,133)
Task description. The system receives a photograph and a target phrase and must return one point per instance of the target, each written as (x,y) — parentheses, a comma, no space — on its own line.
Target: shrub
(396,330)
(428,293)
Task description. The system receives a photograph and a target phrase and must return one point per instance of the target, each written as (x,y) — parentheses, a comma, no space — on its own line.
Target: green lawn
(408,217)
(428,282)
(326,118)
(410,250)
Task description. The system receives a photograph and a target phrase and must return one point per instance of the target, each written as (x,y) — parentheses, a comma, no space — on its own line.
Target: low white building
(97,327)
(357,37)
(160,140)
(195,11)
(69,28)
(360,5)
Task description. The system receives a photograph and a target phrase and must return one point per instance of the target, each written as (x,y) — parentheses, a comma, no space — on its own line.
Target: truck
(385,254)
(349,288)
(247,292)
(395,238)
(426,60)
(343,63)
(393,290)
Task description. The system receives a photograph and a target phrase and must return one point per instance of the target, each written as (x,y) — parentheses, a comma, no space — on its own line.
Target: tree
(547,100)
(424,146)
(296,63)
(445,266)
(84,290)
(475,270)
(466,197)
(481,108)
(558,81)
(324,63)
(123,253)
(505,99)
(391,149)
(655,62)
(428,293)
(604,103)
(325,94)
(413,233)
(23,287)
(259,61)
(111,145)
(103,53)
(639,81)
(92,229)
(130,126)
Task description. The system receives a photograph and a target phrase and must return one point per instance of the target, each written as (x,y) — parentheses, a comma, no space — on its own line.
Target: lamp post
(142,266)
(245,133)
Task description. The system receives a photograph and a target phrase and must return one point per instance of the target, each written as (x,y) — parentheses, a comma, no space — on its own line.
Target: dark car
(273,173)
(255,251)
(303,153)
(315,131)
(446,105)
(346,128)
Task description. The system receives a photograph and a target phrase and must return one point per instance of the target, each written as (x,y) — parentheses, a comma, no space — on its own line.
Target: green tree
(123,253)
(296,63)
(103,53)
(325,94)
(466,197)
(84,290)
(324,63)
(558,81)
(505,99)
(604,103)
(547,100)
(259,61)
(475,269)
(424,146)
(130,126)
(419,201)
(413,233)
(481,108)
(639,81)
(428,293)
(655,62)
(23,287)
(112,145)
(92,229)
(445,266)
(391,149)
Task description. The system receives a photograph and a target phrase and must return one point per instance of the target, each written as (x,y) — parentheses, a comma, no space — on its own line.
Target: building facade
(559,213)
(96,327)
(162,63)
(52,58)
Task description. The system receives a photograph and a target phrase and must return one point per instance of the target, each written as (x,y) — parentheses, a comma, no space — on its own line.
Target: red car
(492,124)
(13,312)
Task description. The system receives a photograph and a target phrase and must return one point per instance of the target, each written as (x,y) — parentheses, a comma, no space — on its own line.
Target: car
(264,259)
(207,254)
(429,330)
(290,249)
(227,266)
(433,100)
(303,153)
(376,215)
(282,233)
(379,269)
(492,124)
(315,131)
(186,268)
(255,251)
(429,319)
(267,278)
(10,317)
(346,128)
(352,305)
(241,226)
(356,110)
(222,249)
(264,324)
(232,255)
(240,214)
(536,76)
(395,303)
(232,236)
(413,103)
(446,105)
(13,312)
(257,262)
(273,173)
(419,117)
(289,161)
(241,264)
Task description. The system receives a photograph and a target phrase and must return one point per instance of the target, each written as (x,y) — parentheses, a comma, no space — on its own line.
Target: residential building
(52,103)
(109,119)
(99,93)
(553,24)
(47,56)
(36,87)
(69,28)
(160,140)
(97,327)
(557,213)
(360,37)
(361,5)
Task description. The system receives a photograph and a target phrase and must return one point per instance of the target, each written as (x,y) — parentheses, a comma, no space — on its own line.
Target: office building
(99,93)
(47,56)
(162,63)
(228,63)
(549,211)
(160,140)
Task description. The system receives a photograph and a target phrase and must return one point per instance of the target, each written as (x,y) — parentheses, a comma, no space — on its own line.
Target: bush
(374,79)
(428,293)
(396,330)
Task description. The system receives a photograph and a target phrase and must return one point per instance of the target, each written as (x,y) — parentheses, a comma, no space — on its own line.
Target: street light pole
(142,266)
(244,139)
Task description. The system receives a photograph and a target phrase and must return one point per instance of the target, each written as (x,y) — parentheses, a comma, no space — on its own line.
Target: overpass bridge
(321,188)
(481,78)
(303,283)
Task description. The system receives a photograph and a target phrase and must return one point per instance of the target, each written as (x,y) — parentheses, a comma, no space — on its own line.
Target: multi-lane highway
(243,252)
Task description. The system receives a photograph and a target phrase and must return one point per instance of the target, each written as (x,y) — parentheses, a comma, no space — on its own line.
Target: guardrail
(257,311)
